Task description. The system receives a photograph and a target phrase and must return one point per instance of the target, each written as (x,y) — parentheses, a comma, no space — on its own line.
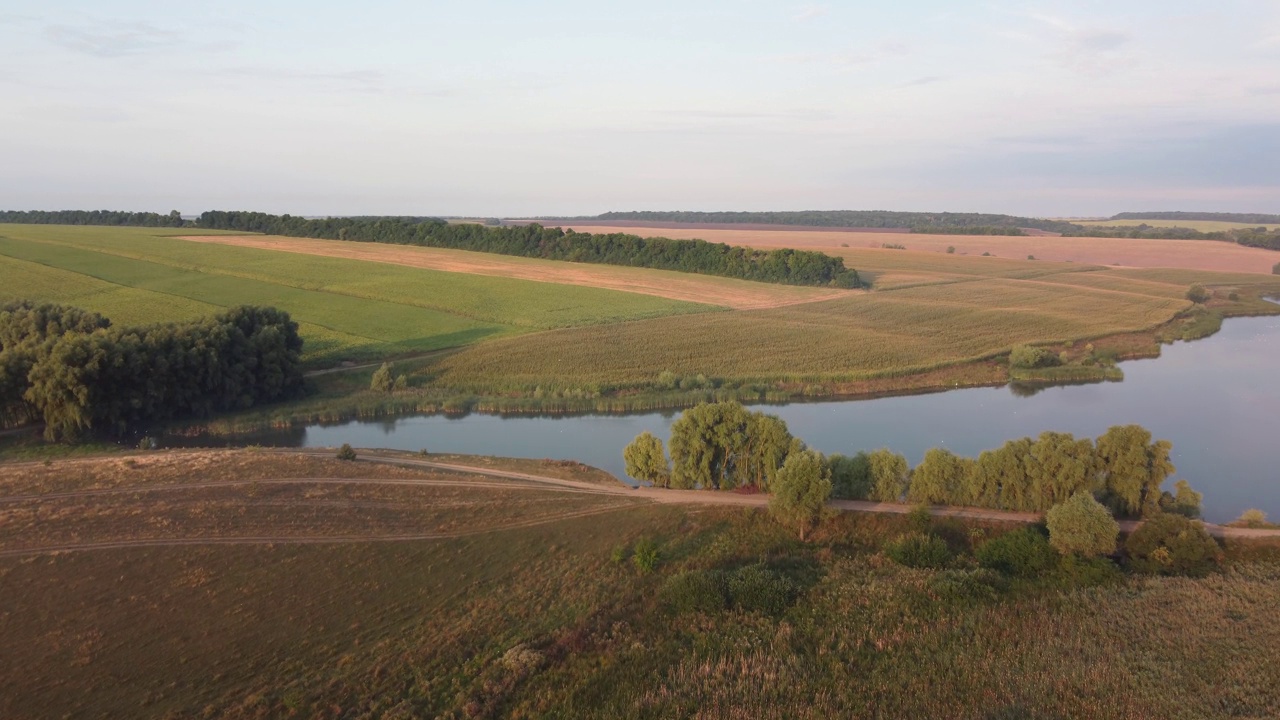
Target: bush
(951,249)
(646,556)
(967,585)
(1082,526)
(756,588)
(346,452)
(1170,544)
(702,591)
(1233,296)
(1022,553)
(1027,357)
(1198,294)
(1251,518)
(1076,572)
(917,550)
(402,382)
(1183,501)
(1275,269)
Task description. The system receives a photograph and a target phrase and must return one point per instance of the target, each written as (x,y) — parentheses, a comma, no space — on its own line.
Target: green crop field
(899,331)
(1201,225)
(348,309)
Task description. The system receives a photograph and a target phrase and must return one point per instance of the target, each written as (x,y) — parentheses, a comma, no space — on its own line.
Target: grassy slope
(425,629)
(348,309)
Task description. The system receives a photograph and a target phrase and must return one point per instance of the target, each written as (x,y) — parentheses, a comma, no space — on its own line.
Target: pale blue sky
(518,108)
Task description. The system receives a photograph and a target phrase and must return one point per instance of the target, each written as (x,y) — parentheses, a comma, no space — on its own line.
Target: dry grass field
(724,292)
(518,609)
(864,247)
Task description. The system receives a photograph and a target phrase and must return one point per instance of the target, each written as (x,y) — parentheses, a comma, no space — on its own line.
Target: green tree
(800,490)
(382,380)
(1169,544)
(850,476)
(1028,357)
(402,382)
(1182,501)
(889,472)
(940,479)
(346,452)
(1198,294)
(1082,526)
(708,443)
(1275,269)
(1132,468)
(999,477)
(1058,467)
(768,442)
(646,461)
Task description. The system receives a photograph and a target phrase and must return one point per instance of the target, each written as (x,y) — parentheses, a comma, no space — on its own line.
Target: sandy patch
(726,292)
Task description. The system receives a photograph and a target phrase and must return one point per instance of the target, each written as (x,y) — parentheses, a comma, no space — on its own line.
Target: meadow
(520,619)
(347,309)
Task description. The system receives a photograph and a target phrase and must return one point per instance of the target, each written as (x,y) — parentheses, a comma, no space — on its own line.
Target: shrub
(967,585)
(1082,526)
(1028,357)
(1031,257)
(1275,269)
(1075,572)
(1024,552)
(702,591)
(756,588)
(917,550)
(920,520)
(646,556)
(618,555)
(951,249)
(1233,296)
(402,382)
(1170,544)
(1198,294)
(346,452)
(1251,518)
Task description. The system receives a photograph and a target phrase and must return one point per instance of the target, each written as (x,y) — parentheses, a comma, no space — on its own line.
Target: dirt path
(690,287)
(527,482)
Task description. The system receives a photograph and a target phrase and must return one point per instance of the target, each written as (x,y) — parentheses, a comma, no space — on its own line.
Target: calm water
(1217,400)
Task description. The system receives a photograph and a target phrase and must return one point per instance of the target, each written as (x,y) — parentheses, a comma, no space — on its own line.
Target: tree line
(92,217)
(1248,218)
(846,218)
(1259,237)
(79,374)
(724,446)
(784,266)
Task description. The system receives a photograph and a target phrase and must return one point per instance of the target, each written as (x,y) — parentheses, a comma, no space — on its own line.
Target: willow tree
(889,473)
(1132,468)
(940,479)
(1058,467)
(801,489)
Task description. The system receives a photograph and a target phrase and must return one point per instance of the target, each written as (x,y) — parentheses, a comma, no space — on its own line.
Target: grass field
(1201,225)
(528,619)
(864,250)
(347,309)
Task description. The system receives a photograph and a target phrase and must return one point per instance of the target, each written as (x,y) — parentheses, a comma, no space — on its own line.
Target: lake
(1217,400)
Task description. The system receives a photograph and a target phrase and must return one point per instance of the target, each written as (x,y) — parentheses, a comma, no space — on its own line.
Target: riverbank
(343,396)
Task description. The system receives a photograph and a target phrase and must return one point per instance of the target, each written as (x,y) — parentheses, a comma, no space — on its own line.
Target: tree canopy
(801,489)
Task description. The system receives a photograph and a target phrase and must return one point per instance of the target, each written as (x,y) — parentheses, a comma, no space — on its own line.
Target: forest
(79,374)
(1259,237)
(784,266)
(92,217)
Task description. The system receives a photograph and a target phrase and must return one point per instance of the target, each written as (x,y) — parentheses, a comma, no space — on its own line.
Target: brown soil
(725,292)
(1126,252)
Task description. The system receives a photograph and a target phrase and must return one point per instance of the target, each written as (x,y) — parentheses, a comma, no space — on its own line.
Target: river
(1217,400)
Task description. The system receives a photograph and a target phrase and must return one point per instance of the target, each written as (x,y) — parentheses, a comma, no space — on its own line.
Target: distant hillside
(848,218)
(1251,218)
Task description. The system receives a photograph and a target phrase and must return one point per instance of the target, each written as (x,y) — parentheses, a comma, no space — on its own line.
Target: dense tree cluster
(1259,237)
(1248,218)
(92,217)
(785,266)
(846,218)
(724,446)
(79,374)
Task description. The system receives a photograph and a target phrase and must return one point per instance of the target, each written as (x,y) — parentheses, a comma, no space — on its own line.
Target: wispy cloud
(926,80)
(1094,51)
(810,11)
(109,40)
(846,60)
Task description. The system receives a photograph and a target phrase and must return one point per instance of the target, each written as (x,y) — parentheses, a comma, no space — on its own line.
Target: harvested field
(725,292)
(1188,254)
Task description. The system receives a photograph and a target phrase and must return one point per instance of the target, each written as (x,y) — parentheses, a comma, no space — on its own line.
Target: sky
(569,107)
